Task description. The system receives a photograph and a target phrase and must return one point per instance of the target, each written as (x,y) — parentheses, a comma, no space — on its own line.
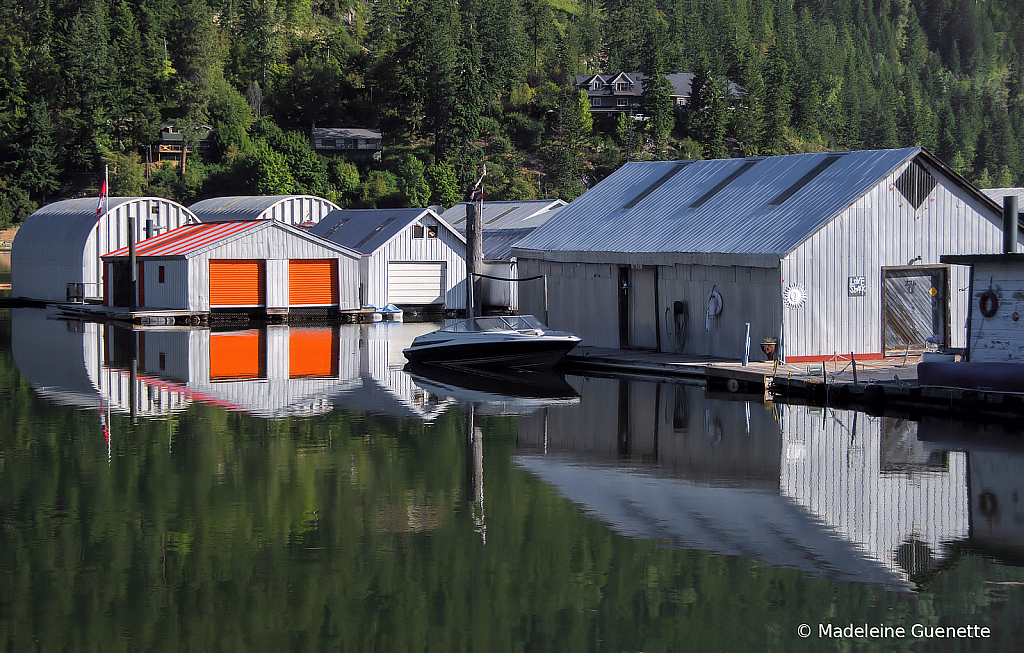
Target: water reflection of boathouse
(270,372)
(787,486)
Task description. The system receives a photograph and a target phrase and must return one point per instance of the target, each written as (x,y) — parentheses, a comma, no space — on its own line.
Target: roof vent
(720,186)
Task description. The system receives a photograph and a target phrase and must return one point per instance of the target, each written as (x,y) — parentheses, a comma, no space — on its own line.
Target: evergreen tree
(657,89)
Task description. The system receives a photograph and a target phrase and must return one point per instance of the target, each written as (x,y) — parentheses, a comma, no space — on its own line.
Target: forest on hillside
(454,84)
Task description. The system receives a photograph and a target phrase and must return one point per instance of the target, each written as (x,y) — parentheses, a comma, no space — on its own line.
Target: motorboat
(515,341)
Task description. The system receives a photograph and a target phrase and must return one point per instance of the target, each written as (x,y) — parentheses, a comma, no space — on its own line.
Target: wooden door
(915,307)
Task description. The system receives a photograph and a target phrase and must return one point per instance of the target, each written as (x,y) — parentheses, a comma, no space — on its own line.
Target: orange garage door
(313,282)
(237,355)
(312,352)
(237,283)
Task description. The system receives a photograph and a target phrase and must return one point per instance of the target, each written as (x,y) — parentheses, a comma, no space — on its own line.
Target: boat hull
(524,353)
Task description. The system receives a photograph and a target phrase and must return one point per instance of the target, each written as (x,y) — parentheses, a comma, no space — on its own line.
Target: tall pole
(474,243)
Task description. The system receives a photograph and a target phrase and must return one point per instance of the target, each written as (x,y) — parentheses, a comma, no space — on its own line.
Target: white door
(416,283)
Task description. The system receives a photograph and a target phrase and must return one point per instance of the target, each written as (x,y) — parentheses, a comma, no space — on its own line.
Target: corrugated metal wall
(835,469)
(999,338)
(880,229)
(59,249)
(500,294)
(582,299)
(403,247)
(173,292)
(749,294)
(296,210)
(276,247)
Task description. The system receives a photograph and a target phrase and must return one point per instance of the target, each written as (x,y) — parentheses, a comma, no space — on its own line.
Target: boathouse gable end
(681,256)
(259,252)
(289,209)
(411,257)
(62,243)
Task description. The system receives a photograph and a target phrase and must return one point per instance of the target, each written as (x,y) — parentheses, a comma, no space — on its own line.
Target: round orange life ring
(989,303)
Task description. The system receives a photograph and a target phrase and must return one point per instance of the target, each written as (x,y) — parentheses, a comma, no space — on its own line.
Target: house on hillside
(257,266)
(410,257)
(352,142)
(504,223)
(298,210)
(611,95)
(56,253)
(173,149)
(829,253)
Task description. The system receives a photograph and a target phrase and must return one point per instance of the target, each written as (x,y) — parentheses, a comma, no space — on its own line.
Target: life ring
(989,303)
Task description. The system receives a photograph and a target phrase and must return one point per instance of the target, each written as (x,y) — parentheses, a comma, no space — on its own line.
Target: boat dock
(876,384)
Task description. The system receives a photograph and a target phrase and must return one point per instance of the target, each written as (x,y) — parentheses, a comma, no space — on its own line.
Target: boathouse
(56,253)
(299,210)
(255,266)
(994,328)
(504,223)
(828,253)
(410,257)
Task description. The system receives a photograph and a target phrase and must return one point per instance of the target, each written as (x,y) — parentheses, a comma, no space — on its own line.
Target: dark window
(162,360)
(417,231)
(160,274)
(432,231)
(329,142)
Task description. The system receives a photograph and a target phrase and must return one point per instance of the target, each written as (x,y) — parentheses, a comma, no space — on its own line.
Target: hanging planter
(768,347)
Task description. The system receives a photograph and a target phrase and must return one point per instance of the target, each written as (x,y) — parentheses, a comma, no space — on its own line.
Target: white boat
(516,341)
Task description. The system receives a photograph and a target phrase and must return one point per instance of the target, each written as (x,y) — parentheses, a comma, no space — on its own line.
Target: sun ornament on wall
(794,295)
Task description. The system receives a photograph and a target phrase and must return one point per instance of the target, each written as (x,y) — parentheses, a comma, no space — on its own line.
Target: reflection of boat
(516,341)
(507,391)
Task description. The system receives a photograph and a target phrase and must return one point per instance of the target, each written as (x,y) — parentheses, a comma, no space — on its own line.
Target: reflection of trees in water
(349,531)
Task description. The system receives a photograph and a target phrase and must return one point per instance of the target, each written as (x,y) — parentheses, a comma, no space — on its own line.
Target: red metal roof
(189,238)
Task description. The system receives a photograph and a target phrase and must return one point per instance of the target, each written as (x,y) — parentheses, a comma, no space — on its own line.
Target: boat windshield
(498,323)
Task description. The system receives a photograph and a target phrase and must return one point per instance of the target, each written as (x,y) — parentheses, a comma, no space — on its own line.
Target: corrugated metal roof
(367,230)
(997,195)
(187,239)
(503,215)
(738,219)
(244,207)
(498,244)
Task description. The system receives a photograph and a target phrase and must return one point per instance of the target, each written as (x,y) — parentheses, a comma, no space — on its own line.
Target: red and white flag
(103,193)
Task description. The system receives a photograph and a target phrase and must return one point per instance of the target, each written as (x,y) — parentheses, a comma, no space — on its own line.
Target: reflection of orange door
(237,355)
(312,352)
(237,283)
(313,282)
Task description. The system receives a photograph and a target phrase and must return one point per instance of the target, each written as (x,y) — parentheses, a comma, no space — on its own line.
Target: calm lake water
(294,489)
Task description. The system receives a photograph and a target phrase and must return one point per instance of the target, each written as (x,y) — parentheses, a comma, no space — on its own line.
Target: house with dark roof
(611,95)
(410,257)
(353,142)
(828,253)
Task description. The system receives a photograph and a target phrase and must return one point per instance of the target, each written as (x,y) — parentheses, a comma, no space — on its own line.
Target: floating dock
(876,385)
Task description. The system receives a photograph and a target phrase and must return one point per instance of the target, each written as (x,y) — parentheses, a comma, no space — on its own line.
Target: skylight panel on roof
(501,215)
(822,166)
(720,186)
(332,230)
(373,233)
(640,197)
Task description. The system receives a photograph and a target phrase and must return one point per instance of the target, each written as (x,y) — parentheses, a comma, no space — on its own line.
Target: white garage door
(416,283)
